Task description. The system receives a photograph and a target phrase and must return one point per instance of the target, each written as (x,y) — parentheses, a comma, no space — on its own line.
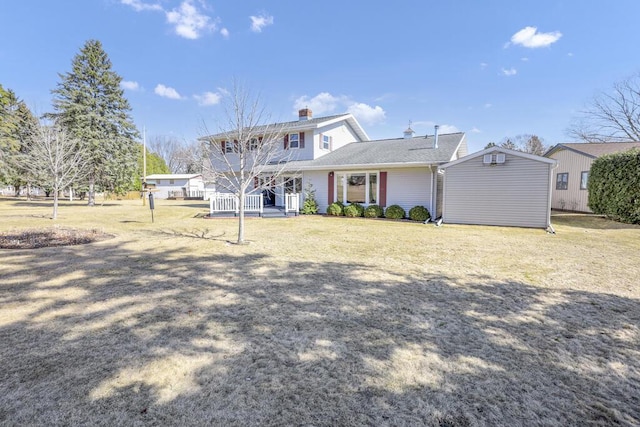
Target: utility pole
(144,166)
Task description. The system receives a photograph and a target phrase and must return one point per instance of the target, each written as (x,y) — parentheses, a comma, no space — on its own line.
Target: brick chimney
(304,114)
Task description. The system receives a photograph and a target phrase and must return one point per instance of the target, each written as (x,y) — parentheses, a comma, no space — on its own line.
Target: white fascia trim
(500,150)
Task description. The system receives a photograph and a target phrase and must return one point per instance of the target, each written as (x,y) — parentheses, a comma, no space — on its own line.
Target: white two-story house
(305,139)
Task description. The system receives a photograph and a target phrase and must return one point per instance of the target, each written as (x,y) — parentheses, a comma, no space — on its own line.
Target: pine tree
(17,126)
(90,104)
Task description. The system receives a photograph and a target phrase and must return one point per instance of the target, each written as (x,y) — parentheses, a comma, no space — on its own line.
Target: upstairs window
(294,140)
(326,142)
(253,144)
(228,147)
(562,181)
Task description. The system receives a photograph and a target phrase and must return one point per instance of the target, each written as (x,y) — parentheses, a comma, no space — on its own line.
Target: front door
(268,191)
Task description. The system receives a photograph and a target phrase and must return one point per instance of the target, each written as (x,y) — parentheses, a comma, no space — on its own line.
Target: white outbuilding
(498,186)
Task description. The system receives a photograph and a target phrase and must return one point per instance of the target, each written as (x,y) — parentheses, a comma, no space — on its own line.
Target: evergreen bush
(419,213)
(395,212)
(373,211)
(335,209)
(614,186)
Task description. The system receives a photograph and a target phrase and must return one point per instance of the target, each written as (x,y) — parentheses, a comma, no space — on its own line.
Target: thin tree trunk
(241,217)
(55,203)
(92,191)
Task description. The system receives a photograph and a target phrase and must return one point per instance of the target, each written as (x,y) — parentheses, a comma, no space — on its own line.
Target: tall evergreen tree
(17,126)
(90,104)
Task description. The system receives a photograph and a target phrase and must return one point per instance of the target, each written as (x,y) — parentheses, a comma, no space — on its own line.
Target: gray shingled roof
(400,151)
(598,149)
(286,126)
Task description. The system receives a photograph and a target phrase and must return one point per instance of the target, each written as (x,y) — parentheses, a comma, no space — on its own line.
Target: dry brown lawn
(319,321)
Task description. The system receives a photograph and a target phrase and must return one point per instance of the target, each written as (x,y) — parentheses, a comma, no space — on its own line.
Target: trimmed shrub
(335,209)
(373,211)
(395,212)
(352,211)
(419,213)
(614,186)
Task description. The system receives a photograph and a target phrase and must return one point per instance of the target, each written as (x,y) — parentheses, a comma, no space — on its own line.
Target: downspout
(549,226)
(434,191)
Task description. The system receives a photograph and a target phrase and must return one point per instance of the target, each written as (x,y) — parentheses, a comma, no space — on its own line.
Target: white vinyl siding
(515,193)
(319,180)
(573,198)
(409,187)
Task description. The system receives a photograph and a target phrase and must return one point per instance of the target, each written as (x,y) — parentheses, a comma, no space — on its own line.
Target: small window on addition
(562,181)
(171,181)
(584,179)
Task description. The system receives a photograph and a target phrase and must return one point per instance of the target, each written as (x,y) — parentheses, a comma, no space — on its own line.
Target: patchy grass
(317,322)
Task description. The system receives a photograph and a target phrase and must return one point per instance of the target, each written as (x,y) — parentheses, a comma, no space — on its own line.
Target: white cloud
(483,65)
(320,104)
(447,129)
(488,105)
(366,113)
(208,98)
(225,33)
(570,54)
(260,21)
(188,21)
(531,38)
(167,92)
(475,130)
(509,72)
(129,85)
(524,59)
(325,103)
(139,6)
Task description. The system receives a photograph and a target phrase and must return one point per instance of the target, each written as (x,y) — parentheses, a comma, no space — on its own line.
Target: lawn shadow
(115,336)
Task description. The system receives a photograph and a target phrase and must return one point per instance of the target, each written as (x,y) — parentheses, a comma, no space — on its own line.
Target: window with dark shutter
(330,188)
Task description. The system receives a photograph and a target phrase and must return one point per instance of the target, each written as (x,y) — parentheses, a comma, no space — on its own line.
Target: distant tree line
(526,143)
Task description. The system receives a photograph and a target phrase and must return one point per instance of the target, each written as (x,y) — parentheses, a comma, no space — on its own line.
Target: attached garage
(498,186)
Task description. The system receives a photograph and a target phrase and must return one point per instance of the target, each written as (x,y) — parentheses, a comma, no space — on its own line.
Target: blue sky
(489,68)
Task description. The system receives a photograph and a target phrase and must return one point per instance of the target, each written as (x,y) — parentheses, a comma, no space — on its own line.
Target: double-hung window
(584,179)
(562,181)
(326,142)
(228,147)
(294,140)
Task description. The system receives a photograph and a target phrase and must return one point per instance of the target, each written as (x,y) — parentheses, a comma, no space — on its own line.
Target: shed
(498,186)
(176,185)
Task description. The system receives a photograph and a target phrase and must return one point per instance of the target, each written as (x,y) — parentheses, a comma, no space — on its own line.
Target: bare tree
(245,149)
(55,160)
(526,143)
(611,116)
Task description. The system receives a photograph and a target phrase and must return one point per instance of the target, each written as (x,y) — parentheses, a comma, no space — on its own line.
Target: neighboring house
(166,186)
(498,186)
(402,171)
(572,174)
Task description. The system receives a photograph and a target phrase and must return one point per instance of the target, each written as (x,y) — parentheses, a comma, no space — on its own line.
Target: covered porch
(226,205)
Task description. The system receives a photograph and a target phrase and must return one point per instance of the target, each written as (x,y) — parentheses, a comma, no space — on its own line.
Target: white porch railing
(227,202)
(291,203)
